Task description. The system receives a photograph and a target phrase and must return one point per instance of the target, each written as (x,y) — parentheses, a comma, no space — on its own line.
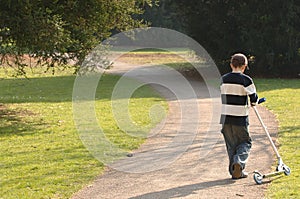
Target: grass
(283,97)
(177,58)
(153,58)
(42,155)
(151,50)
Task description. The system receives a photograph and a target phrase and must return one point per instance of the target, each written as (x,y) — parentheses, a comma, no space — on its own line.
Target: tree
(267,30)
(168,14)
(57,31)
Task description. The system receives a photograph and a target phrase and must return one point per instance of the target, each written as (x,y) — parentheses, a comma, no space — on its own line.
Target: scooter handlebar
(261,100)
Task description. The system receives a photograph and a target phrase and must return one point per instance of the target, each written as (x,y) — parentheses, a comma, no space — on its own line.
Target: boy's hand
(261,100)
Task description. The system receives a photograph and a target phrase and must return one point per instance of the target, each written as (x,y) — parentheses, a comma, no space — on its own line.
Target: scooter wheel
(258,178)
(287,170)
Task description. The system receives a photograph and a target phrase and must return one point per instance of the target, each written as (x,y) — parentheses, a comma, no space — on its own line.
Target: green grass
(177,58)
(151,50)
(283,97)
(42,155)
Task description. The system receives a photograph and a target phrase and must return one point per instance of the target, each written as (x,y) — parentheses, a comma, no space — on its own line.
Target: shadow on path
(186,190)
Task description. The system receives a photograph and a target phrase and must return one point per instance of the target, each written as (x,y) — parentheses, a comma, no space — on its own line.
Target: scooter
(281,167)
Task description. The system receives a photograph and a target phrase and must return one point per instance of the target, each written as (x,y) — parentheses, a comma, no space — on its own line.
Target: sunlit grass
(283,97)
(174,57)
(42,155)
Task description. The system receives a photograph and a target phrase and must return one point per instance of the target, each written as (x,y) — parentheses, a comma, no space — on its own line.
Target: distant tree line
(267,31)
(56,31)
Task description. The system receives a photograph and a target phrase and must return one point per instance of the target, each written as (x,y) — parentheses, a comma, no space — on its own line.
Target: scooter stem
(266,131)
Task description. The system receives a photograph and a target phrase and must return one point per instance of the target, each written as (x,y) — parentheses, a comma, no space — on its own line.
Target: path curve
(189,176)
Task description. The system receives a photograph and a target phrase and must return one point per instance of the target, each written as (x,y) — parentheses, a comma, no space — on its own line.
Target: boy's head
(239,61)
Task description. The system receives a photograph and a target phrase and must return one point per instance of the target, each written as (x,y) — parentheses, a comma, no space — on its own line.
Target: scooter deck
(283,169)
(272,174)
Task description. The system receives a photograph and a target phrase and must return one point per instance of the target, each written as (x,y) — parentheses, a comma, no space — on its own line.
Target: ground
(200,169)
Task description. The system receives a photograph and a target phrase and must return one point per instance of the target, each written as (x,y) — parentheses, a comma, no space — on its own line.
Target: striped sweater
(235,90)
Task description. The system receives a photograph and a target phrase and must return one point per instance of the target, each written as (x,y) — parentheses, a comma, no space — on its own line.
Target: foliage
(268,31)
(59,31)
(166,15)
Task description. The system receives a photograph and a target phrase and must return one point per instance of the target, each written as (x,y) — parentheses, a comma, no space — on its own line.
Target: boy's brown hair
(239,60)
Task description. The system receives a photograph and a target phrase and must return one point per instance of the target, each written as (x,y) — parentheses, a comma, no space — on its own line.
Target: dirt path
(194,174)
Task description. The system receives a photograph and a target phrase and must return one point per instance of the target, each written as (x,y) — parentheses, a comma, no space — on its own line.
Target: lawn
(173,57)
(42,155)
(283,97)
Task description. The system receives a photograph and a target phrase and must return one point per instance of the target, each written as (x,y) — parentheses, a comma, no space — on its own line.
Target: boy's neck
(237,70)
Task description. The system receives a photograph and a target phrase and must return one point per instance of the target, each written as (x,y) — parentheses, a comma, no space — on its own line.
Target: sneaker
(244,174)
(236,171)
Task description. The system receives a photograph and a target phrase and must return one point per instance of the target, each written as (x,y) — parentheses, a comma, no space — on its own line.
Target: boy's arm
(251,92)
(253,99)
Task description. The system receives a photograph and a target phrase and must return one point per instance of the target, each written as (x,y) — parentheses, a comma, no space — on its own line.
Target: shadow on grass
(290,129)
(13,123)
(58,89)
(276,84)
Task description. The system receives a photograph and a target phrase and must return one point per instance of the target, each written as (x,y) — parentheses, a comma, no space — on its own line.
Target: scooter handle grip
(261,100)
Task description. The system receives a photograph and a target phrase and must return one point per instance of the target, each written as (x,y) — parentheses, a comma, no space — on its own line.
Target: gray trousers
(238,144)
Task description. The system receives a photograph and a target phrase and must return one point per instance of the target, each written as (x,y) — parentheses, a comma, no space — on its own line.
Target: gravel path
(201,169)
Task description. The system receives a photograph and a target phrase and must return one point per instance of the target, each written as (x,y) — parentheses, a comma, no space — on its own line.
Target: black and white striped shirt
(236,87)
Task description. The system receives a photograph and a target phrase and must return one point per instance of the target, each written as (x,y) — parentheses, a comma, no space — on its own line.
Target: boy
(236,87)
